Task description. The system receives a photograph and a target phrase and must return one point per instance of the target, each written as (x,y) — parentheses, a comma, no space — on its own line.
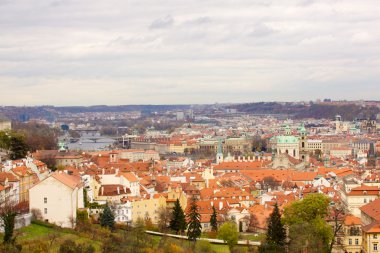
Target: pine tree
(276,234)
(178,219)
(107,219)
(213,220)
(194,229)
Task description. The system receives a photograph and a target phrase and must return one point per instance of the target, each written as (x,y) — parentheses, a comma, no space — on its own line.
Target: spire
(288,130)
(219,154)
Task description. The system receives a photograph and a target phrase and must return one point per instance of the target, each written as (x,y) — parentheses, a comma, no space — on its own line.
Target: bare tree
(163,218)
(337,218)
(253,223)
(36,214)
(8,212)
(52,237)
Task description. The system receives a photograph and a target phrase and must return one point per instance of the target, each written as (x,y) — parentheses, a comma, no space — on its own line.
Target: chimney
(220,205)
(103,171)
(102,190)
(118,190)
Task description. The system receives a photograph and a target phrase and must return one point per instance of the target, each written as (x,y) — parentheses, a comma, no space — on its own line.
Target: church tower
(338,123)
(371,157)
(304,154)
(288,130)
(219,154)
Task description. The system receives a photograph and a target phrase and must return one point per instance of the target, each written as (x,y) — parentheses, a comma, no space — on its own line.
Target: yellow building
(350,238)
(27,178)
(144,208)
(172,195)
(371,238)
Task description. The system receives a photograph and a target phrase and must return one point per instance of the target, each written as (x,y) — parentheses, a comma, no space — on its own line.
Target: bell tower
(304,154)
(219,154)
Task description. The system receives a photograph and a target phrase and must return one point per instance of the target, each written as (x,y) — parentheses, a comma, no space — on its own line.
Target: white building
(134,155)
(123,211)
(58,197)
(358,197)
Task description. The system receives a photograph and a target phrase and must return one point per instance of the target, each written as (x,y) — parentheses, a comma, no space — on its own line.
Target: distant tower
(219,154)
(304,154)
(62,146)
(338,122)
(288,130)
(371,157)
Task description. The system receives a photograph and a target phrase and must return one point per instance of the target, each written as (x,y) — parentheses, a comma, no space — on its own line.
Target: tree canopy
(194,229)
(214,220)
(307,226)
(178,219)
(228,232)
(107,218)
(276,234)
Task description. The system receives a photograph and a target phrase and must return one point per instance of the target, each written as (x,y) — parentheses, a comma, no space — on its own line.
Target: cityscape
(245,126)
(143,163)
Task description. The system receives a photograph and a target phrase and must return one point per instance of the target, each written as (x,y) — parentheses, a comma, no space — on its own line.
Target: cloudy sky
(86,52)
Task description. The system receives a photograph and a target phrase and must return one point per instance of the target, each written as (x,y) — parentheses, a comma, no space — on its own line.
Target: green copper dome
(302,129)
(287,139)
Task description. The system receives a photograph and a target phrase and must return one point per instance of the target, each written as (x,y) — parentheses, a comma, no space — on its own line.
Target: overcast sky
(86,52)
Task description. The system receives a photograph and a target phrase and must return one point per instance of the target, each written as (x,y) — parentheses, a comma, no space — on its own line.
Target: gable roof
(372,209)
(66,179)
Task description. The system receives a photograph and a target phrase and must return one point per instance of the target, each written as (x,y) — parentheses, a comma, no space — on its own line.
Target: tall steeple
(303,143)
(219,154)
(288,130)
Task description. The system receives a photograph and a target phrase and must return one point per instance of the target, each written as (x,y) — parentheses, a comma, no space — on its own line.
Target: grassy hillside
(46,238)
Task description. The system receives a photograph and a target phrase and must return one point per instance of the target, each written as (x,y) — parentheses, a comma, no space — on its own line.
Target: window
(365,200)
(375,246)
(45,200)
(45,210)
(356,241)
(350,241)
(374,236)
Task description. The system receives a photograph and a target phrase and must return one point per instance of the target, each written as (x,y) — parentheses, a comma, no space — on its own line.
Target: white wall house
(58,197)
(123,211)
(358,197)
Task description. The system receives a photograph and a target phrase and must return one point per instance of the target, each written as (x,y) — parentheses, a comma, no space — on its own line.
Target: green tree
(228,233)
(82,217)
(194,229)
(276,234)
(14,143)
(178,219)
(107,218)
(307,226)
(307,209)
(214,220)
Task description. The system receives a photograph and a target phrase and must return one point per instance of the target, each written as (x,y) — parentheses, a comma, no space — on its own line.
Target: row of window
(356,241)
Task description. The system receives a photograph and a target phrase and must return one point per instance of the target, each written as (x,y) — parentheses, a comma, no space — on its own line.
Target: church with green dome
(290,144)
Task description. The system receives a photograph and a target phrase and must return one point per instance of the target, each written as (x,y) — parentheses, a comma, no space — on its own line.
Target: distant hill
(318,111)
(120,108)
(24,113)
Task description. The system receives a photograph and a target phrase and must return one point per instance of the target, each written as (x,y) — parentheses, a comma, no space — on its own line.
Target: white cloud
(187,51)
